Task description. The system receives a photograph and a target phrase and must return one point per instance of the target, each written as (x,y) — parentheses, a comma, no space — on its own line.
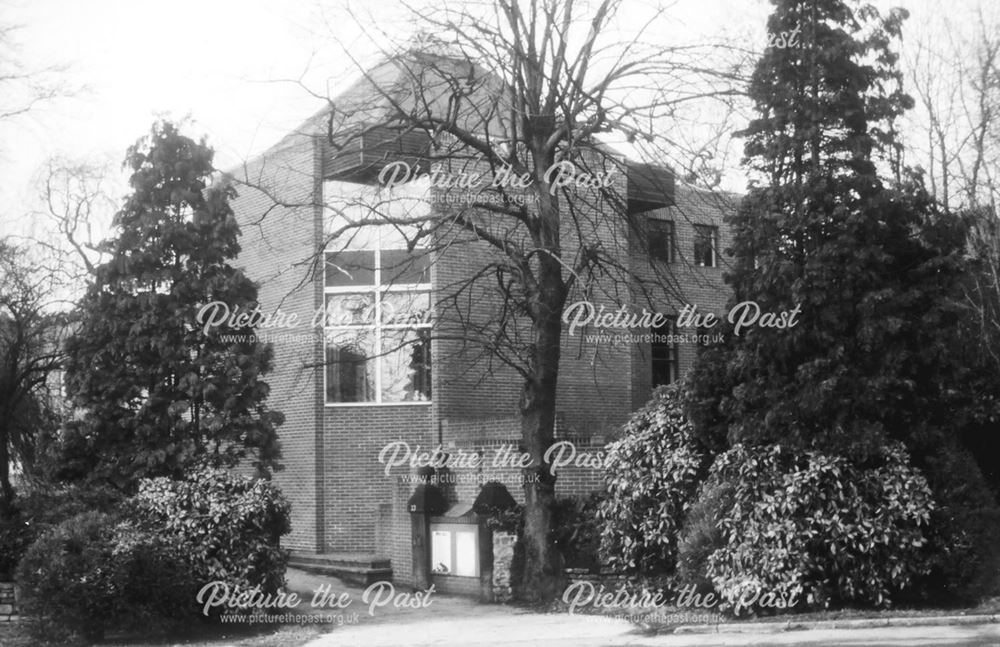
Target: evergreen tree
(835,226)
(157,392)
(871,263)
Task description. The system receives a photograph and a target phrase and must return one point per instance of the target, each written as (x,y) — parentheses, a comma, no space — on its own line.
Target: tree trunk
(6,489)
(542,578)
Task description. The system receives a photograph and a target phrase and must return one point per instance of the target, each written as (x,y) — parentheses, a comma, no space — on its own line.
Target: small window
(706,242)
(661,239)
(664,355)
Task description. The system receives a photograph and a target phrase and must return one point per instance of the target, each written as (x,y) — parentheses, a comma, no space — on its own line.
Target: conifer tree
(156,391)
(833,226)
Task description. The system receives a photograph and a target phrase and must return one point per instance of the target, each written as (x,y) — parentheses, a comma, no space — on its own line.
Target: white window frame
(376,326)
(453,529)
(714,230)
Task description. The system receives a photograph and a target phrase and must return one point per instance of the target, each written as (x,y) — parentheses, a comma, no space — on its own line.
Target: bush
(577,532)
(701,534)
(45,506)
(64,578)
(652,476)
(95,572)
(154,588)
(15,537)
(229,525)
(818,530)
(41,507)
(964,531)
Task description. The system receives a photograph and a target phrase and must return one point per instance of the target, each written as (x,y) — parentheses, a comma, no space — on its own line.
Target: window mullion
(378,318)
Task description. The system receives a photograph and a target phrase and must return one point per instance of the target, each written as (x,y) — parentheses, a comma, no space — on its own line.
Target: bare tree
(24,88)
(30,353)
(956,78)
(75,211)
(529,93)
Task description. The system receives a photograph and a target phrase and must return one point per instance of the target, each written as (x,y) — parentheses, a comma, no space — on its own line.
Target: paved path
(551,631)
(452,620)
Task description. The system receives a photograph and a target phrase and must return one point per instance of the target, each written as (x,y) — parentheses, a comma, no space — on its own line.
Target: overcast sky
(216,61)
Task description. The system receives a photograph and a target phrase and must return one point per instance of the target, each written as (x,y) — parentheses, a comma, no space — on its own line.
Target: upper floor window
(706,243)
(377,296)
(660,238)
(664,356)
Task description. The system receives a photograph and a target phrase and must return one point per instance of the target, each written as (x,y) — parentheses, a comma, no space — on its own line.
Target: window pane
(350,309)
(402,201)
(406,365)
(401,266)
(704,245)
(465,554)
(664,354)
(345,234)
(441,551)
(396,210)
(350,268)
(350,369)
(661,240)
(393,215)
(347,211)
(406,308)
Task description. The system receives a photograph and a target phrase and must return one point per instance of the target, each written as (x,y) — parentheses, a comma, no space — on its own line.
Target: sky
(226,65)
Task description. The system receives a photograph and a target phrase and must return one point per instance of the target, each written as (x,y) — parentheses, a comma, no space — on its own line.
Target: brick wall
(501,436)
(342,499)
(355,482)
(689,284)
(280,226)
(595,390)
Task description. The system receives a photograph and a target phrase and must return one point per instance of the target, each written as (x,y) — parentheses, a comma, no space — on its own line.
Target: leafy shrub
(154,588)
(229,525)
(816,530)
(65,578)
(577,532)
(38,508)
(652,475)
(510,520)
(15,537)
(964,532)
(95,572)
(493,500)
(701,534)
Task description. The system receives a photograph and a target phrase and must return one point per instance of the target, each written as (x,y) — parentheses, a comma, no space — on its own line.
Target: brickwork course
(342,498)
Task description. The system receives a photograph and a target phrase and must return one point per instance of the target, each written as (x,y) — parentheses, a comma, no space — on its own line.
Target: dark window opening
(706,241)
(664,354)
(661,240)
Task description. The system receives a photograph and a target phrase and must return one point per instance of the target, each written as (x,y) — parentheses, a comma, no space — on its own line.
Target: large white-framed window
(377,296)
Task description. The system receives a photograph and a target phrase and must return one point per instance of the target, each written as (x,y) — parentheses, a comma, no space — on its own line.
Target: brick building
(361,379)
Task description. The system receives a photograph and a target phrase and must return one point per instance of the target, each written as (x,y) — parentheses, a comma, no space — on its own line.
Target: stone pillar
(503,555)
(485,562)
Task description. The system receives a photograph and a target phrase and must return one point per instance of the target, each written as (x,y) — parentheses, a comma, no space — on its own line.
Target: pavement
(566,632)
(388,617)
